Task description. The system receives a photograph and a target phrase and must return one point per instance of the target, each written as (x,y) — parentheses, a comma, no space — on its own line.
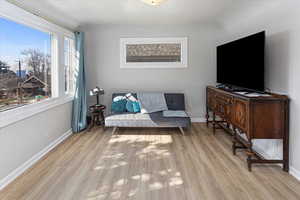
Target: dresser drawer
(223,109)
(240,114)
(224,98)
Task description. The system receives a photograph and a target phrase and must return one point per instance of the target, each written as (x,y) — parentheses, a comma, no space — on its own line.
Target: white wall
(103,62)
(282,27)
(24,139)
(21,141)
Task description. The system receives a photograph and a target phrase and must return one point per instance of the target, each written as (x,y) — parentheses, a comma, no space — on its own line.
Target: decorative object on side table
(97,92)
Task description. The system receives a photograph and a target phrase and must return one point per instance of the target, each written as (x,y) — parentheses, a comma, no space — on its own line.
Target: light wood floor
(150,164)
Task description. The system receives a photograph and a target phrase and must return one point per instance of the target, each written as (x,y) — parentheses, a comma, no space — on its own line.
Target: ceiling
(72,13)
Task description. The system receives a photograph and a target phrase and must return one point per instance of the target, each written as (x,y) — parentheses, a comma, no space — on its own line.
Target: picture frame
(143,53)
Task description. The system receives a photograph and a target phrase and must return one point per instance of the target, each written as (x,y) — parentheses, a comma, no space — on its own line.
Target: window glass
(68,63)
(25,65)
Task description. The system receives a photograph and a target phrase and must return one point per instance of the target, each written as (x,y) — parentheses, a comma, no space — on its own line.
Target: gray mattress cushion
(145,120)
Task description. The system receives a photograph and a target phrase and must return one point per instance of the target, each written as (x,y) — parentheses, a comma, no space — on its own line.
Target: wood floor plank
(150,164)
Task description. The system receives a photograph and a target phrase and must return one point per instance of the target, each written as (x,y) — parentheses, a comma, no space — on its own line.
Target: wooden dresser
(264,117)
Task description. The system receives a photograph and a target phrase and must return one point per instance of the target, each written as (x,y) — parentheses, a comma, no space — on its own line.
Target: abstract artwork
(153,52)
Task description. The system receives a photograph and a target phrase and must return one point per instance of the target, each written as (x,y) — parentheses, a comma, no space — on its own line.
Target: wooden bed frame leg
(181,130)
(114,130)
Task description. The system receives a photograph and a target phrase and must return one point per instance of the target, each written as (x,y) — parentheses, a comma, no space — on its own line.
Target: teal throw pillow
(129,106)
(133,106)
(119,105)
(136,106)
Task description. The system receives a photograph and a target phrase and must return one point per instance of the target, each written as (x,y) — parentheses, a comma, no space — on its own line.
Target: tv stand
(249,118)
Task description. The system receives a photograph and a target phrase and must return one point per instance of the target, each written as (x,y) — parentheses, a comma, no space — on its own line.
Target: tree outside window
(25,65)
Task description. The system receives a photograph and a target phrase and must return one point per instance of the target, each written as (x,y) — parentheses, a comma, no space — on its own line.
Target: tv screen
(241,63)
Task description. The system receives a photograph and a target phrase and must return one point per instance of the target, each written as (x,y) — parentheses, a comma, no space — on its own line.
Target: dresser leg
(233,148)
(286,141)
(234,142)
(207,122)
(214,122)
(249,158)
(249,163)
(286,166)
(207,116)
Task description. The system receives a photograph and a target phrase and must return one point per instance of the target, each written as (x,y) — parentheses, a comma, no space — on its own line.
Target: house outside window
(25,65)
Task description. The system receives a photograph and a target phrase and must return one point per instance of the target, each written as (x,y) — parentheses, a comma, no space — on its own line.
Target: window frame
(58,97)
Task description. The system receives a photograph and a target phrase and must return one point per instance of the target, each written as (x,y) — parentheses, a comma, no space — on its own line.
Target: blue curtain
(79,104)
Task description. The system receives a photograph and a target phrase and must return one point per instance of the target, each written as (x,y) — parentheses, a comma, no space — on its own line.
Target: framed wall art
(153,52)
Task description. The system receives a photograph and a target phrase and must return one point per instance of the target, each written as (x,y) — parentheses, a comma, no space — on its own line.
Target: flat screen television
(241,63)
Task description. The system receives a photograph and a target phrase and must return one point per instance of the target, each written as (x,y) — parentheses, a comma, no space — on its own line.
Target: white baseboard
(294,172)
(198,119)
(20,170)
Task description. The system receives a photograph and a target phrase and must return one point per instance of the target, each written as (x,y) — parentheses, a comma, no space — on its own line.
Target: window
(25,65)
(32,66)
(69,63)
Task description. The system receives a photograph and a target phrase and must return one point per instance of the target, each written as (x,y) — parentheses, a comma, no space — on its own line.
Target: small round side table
(97,115)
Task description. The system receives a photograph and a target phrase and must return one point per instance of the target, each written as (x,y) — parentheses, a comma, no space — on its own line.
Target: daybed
(175,101)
